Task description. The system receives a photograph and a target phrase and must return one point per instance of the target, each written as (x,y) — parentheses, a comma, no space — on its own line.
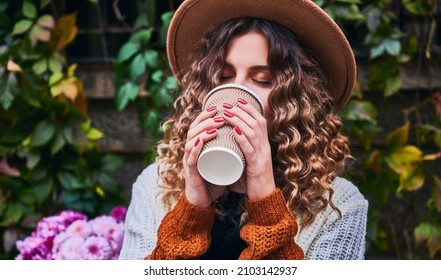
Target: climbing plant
(49,152)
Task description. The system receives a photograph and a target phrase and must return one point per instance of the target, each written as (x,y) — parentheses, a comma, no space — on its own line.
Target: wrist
(260,188)
(195,199)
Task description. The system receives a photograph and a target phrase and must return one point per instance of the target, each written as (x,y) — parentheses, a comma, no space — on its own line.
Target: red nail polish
(197,142)
(228,114)
(211,131)
(241,101)
(211,109)
(219,119)
(238,131)
(227,106)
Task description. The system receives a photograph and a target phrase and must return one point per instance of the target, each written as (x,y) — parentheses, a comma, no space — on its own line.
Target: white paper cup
(221,161)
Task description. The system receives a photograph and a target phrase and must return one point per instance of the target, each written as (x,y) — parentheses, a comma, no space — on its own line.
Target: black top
(226,243)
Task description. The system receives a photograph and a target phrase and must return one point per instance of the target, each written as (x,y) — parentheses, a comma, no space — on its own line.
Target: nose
(240,78)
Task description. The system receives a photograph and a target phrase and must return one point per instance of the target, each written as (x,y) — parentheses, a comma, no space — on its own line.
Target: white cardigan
(328,237)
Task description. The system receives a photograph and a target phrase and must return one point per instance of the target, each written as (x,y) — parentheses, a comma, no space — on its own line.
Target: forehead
(251,46)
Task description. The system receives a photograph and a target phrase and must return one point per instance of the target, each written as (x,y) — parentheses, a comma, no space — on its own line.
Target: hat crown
(312,26)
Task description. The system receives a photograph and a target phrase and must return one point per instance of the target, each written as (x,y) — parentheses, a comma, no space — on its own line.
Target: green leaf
(44,3)
(12,137)
(398,137)
(137,67)
(400,158)
(21,26)
(417,7)
(358,110)
(32,159)
(411,178)
(43,132)
(373,19)
(26,197)
(69,181)
(431,233)
(157,76)
(377,51)
(46,21)
(94,134)
(166,18)
(127,51)
(58,143)
(171,83)
(14,212)
(127,92)
(68,134)
(40,66)
(43,190)
(393,47)
(55,64)
(9,89)
(393,85)
(55,78)
(111,162)
(29,10)
(142,36)
(153,120)
(107,182)
(151,58)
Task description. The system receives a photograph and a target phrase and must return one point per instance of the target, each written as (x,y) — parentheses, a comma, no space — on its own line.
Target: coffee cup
(221,161)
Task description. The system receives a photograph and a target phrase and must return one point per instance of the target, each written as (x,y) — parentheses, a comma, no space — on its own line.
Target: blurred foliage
(49,154)
(142,72)
(396,167)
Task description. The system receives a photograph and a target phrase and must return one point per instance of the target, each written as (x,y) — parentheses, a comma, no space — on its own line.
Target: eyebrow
(253,68)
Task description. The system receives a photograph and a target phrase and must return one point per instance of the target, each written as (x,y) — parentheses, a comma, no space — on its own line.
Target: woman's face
(246,63)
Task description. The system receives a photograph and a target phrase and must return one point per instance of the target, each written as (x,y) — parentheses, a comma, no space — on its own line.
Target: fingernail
(241,101)
(237,130)
(228,114)
(211,131)
(219,119)
(211,109)
(227,106)
(197,142)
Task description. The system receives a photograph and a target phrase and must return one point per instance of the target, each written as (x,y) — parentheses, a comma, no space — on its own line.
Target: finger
(208,113)
(203,137)
(249,128)
(246,147)
(206,125)
(248,114)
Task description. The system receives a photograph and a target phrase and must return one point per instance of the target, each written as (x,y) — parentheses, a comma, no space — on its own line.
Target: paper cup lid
(220,166)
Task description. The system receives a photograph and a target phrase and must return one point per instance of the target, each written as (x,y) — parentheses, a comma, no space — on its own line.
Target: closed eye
(262,82)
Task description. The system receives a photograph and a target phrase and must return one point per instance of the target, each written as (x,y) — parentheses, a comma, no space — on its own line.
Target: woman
(289,202)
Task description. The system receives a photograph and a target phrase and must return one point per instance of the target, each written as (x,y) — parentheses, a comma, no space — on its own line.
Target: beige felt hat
(304,18)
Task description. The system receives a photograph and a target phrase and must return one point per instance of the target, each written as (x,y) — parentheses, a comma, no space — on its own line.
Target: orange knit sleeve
(184,233)
(270,230)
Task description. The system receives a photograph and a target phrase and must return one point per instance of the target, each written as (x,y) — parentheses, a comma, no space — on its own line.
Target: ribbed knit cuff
(192,218)
(268,210)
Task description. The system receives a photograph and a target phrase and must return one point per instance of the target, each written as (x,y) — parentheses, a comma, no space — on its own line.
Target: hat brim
(312,26)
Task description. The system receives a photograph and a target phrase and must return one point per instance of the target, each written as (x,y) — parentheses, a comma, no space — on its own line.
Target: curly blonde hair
(307,145)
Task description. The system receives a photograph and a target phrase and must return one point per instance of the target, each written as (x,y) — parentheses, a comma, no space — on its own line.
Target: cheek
(263,95)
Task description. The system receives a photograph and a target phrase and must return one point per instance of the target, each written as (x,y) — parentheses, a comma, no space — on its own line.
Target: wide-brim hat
(311,24)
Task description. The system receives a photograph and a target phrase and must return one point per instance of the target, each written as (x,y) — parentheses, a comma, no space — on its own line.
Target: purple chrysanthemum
(97,248)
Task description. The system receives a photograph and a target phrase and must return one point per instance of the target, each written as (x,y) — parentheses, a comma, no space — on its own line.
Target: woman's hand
(203,129)
(251,133)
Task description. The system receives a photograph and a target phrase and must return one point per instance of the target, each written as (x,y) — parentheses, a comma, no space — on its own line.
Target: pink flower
(79,228)
(97,248)
(118,213)
(71,249)
(69,236)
